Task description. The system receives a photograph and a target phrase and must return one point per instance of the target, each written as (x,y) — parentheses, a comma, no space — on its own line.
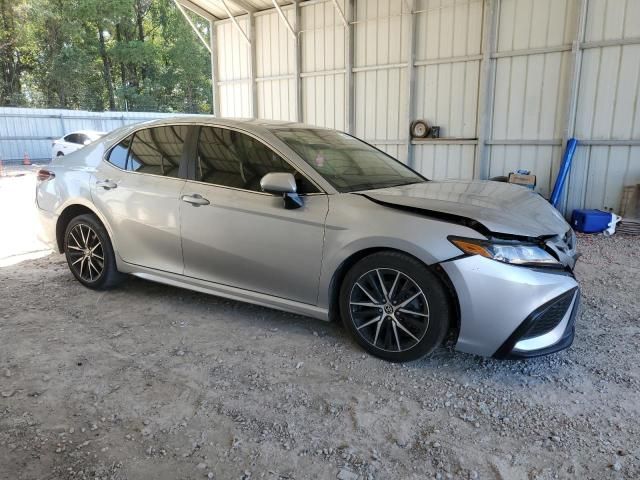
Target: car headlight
(512,252)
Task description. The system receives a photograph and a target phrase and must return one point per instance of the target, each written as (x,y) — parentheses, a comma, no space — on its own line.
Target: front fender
(356,224)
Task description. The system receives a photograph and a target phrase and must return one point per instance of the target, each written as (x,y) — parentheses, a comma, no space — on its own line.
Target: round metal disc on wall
(419,129)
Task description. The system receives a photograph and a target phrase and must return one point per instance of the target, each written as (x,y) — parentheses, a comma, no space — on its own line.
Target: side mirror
(282,183)
(86,142)
(279,182)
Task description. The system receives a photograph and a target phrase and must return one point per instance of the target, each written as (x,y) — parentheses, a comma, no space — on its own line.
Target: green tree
(16,51)
(103,54)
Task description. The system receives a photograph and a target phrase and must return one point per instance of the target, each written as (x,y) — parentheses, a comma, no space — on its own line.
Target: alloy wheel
(85,252)
(389,310)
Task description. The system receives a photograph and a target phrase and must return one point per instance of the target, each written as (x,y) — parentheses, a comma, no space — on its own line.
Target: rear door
(138,190)
(236,235)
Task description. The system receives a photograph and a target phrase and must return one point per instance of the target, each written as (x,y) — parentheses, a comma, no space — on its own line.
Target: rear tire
(89,253)
(60,154)
(394,307)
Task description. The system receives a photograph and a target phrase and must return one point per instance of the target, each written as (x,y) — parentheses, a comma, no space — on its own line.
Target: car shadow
(444,360)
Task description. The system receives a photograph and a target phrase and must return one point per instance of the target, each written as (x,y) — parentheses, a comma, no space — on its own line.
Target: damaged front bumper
(509,311)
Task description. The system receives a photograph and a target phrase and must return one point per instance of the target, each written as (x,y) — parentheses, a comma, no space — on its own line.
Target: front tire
(90,254)
(394,307)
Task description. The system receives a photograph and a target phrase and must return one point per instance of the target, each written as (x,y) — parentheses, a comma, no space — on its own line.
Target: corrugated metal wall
(30,130)
(508,81)
(447,62)
(381,46)
(234,69)
(608,106)
(323,41)
(275,66)
(532,60)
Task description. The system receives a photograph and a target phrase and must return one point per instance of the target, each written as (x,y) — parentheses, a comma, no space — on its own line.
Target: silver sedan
(317,222)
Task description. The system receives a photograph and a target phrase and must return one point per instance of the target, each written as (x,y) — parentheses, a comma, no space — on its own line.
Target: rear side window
(118,154)
(155,151)
(232,159)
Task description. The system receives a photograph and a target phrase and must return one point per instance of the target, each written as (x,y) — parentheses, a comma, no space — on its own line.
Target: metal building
(507,81)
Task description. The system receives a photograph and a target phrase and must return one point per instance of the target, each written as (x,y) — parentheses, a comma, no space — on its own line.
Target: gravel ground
(150,381)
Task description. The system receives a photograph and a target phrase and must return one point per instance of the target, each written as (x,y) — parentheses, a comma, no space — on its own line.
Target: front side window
(346,162)
(232,159)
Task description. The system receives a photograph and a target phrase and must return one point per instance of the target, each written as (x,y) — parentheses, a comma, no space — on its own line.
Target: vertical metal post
(574,79)
(571,105)
(411,79)
(62,126)
(253,65)
(213,44)
(298,62)
(349,54)
(486,88)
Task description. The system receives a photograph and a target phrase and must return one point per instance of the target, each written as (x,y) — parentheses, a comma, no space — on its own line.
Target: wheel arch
(351,260)
(69,213)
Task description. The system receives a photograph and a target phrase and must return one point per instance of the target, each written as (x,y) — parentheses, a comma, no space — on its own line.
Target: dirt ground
(150,381)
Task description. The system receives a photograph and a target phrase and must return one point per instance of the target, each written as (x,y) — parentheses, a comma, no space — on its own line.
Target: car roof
(86,132)
(249,124)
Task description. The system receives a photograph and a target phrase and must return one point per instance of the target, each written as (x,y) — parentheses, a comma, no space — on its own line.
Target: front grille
(549,316)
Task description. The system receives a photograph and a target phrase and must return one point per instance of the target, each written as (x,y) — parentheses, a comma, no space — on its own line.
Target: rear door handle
(195,200)
(106,184)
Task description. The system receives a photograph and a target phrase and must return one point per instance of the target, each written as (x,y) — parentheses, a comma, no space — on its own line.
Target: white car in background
(73,141)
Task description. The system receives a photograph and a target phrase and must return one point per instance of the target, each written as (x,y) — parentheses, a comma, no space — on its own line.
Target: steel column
(298,62)
(571,104)
(349,60)
(253,66)
(411,79)
(486,87)
(213,40)
(574,79)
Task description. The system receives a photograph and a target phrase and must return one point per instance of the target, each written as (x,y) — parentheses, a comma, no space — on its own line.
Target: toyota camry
(317,222)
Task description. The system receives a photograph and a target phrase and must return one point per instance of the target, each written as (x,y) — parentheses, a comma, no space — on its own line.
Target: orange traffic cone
(26,160)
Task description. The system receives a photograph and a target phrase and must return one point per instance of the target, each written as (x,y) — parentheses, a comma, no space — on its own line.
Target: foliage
(135,55)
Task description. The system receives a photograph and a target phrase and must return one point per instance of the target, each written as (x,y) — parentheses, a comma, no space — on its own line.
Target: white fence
(31,130)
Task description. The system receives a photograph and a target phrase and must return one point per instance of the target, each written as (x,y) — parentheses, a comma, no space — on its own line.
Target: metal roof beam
(193,26)
(344,19)
(246,6)
(235,22)
(284,19)
(198,10)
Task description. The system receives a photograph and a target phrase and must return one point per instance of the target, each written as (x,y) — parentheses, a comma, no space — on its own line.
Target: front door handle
(106,184)
(195,200)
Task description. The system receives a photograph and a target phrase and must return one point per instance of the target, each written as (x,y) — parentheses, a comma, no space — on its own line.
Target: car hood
(499,207)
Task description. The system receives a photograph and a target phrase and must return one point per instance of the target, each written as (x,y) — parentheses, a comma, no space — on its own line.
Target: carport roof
(216,8)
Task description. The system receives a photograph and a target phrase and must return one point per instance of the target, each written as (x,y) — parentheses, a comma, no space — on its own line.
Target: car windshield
(347,163)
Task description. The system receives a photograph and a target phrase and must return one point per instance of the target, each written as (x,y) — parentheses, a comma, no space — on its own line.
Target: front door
(236,235)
